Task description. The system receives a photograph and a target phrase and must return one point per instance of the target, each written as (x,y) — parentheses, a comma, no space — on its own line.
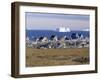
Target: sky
(51,21)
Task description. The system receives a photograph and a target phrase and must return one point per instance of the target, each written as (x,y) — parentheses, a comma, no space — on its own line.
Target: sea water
(48,33)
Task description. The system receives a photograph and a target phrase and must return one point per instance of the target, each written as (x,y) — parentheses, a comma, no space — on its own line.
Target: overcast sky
(47,21)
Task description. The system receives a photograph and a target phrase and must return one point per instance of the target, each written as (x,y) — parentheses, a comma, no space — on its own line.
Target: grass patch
(54,57)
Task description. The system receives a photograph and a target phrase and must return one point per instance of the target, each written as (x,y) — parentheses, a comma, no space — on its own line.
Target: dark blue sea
(48,33)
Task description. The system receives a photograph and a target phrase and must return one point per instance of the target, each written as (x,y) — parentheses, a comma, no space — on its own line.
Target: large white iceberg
(63,29)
